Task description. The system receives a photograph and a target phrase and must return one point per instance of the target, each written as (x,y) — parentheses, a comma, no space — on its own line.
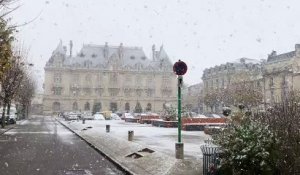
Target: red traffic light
(179,68)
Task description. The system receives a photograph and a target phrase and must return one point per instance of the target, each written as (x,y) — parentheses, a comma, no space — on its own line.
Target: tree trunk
(3,115)
(27,111)
(8,108)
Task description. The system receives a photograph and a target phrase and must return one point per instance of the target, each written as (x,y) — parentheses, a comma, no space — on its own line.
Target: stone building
(103,77)
(192,98)
(281,74)
(225,76)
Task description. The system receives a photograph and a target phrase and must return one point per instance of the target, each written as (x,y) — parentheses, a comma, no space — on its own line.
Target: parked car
(72,116)
(114,116)
(98,117)
(126,115)
(12,117)
(87,116)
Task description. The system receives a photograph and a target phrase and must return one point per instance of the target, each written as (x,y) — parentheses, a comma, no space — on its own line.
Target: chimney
(71,47)
(297,50)
(105,50)
(121,50)
(153,52)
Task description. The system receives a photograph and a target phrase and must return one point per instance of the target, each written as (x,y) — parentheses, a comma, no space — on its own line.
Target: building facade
(192,98)
(103,77)
(281,74)
(225,76)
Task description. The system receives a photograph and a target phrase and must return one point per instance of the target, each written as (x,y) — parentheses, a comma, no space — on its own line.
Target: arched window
(56,107)
(97,107)
(138,108)
(75,106)
(87,106)
(113,107)
(127,106)
(149,106)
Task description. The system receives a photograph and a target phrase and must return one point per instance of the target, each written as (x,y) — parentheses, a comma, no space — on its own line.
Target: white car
(127,115)
(98,117)
(114,116)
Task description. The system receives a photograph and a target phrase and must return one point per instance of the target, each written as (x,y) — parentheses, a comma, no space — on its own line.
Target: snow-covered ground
(159,139)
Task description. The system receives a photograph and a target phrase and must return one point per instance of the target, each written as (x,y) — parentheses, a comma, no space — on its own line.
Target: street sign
(179,68)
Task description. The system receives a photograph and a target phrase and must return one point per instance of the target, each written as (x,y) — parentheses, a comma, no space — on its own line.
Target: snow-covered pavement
(162,141)
(159,139)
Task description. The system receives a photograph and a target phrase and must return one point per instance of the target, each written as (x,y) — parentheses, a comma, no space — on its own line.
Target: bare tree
(283,119)
(212,99)
(25,94)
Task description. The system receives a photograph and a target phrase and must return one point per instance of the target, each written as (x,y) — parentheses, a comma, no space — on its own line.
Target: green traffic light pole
(179,107)
(179,153)
(179,69)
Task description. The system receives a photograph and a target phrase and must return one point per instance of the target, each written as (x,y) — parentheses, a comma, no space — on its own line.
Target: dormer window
(132,57)
(94,55)
(143,58)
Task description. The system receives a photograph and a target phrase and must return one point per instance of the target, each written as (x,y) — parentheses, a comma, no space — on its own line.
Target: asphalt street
(41,145)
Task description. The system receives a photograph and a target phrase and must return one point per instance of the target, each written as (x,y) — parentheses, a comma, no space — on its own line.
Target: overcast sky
(203,33)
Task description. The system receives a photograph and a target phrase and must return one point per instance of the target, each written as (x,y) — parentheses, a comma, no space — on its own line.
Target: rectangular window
(57,78)
(57,90)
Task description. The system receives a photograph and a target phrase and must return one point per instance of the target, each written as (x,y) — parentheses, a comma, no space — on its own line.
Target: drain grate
(146,150)
(134,156)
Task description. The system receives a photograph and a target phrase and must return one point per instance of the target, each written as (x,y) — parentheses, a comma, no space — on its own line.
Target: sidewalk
(160,140)
(7,128)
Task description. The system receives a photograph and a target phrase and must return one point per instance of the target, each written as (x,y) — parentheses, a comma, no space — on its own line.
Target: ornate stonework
(109,78)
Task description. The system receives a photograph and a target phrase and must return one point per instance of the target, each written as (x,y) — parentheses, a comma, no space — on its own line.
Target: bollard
(130,135)
(107,128)
(179,153)
(83,121)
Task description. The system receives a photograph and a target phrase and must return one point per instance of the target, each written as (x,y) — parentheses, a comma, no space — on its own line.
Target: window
(149,107)
(97,107)
(87,106)
(75,106)
(56,107)
(138,108)
(57,90)
(127,107)
(113,79)
(57,78)
(271,82)
(88,78)
(113,106)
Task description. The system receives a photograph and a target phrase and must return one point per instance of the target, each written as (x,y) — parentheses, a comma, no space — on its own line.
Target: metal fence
(210,157)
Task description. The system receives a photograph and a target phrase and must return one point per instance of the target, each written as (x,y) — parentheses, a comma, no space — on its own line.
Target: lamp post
(179,69)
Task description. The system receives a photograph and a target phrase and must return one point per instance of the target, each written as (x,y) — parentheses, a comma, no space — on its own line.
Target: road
(41,145)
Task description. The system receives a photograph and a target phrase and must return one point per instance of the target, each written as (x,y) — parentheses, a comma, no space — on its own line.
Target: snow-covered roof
(281,57)
(101,56)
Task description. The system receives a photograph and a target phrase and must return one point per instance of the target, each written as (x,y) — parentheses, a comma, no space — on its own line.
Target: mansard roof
(100,56)
(281,57)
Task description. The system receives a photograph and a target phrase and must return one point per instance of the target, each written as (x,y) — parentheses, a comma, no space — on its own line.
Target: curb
(115,162)
(7,129)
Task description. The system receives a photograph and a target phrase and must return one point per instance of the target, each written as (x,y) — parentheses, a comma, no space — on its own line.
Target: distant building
(192,98)
(226,75)
(103,77)
(37,104)
(281,75)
